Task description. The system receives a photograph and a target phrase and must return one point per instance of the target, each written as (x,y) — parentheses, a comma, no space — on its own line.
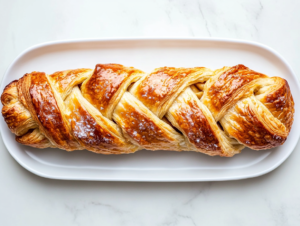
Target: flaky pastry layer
(115,109)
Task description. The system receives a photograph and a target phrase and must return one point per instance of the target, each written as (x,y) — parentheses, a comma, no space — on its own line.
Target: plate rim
(226,40)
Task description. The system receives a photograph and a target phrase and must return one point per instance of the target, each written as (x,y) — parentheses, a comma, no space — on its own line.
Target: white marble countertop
(26,199)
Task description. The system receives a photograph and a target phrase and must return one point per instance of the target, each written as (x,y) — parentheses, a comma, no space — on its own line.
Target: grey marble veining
(272,199)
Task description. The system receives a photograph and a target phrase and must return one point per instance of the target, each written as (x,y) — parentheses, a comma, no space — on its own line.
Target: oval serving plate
(147,54)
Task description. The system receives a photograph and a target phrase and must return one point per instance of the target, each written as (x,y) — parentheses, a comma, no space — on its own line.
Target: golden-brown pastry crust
(279,101)
(93,131)
(46,112)
(143,128)
(195,125)
(228,86)
(36,139)
(16,116)
(115,109)
(158,90)
(253,128)
(64,81)
(88,132)
(107,84)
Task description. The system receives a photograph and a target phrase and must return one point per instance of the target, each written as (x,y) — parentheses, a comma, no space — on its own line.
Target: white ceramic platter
(147,54)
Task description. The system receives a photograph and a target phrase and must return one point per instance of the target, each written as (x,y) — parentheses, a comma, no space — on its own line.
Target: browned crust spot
(196,127)
(105,82)
(229,83)
(142,129)
(157,86)
(252,132)
(281,104)
(47,110)
(86,130)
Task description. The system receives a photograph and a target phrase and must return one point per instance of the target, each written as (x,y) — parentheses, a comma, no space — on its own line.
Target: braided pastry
(115,109)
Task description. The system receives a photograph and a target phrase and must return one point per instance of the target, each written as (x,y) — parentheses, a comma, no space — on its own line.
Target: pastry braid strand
(115,109)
